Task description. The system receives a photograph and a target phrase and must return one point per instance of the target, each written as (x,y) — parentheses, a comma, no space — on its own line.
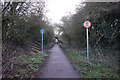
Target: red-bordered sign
(87,24)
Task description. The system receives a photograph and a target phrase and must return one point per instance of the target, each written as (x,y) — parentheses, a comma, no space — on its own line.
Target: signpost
(87,24)
(42,32)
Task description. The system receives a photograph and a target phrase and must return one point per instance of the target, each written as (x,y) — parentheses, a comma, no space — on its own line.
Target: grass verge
(28,65)
(95,69)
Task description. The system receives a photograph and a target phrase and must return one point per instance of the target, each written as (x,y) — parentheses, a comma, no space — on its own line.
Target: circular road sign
(87,24)
(42,31)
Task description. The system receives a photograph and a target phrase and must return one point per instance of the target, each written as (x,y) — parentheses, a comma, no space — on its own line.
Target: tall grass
(100,65)
(107,57)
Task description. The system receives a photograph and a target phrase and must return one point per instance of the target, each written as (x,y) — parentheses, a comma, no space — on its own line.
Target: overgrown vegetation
(97,68)
(28,66)
(21,25)
(21,38)
(103,32)
(104,35)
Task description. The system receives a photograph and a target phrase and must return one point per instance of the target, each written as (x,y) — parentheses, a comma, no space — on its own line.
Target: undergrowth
(96,67)
(28,66)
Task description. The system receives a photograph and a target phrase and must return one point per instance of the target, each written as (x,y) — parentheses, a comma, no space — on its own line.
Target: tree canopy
(104,30)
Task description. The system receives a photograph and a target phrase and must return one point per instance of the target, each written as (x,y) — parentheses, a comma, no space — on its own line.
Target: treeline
(105,28)
(22,22)
(21,25)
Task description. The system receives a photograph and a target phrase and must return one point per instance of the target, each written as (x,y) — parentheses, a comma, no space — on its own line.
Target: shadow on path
(58,65)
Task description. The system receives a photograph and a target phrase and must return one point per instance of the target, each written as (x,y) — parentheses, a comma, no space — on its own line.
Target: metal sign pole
(87,46)
(42,32)
(87,24)
(42,44)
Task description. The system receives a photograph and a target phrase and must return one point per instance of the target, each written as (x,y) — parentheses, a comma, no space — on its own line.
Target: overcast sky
(56,9)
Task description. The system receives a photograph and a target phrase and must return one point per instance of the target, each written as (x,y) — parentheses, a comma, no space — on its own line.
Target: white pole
(42,44)
(87,46)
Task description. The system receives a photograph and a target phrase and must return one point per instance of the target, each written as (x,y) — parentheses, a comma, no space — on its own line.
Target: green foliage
(91,70)
(21,26)
(104,30)
(28,66)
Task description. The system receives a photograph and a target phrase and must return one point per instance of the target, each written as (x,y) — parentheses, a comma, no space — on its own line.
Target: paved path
(58,65)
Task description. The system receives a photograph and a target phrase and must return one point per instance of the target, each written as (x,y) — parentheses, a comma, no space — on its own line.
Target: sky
(56,9)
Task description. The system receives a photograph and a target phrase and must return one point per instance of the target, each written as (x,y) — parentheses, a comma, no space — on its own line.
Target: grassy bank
(28,65)
(24,63)
(95,69)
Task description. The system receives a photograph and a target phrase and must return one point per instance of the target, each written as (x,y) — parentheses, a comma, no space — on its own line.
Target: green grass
(95,69)
(28,66)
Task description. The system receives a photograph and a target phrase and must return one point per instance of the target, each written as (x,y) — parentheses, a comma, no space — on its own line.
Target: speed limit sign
(87,24)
